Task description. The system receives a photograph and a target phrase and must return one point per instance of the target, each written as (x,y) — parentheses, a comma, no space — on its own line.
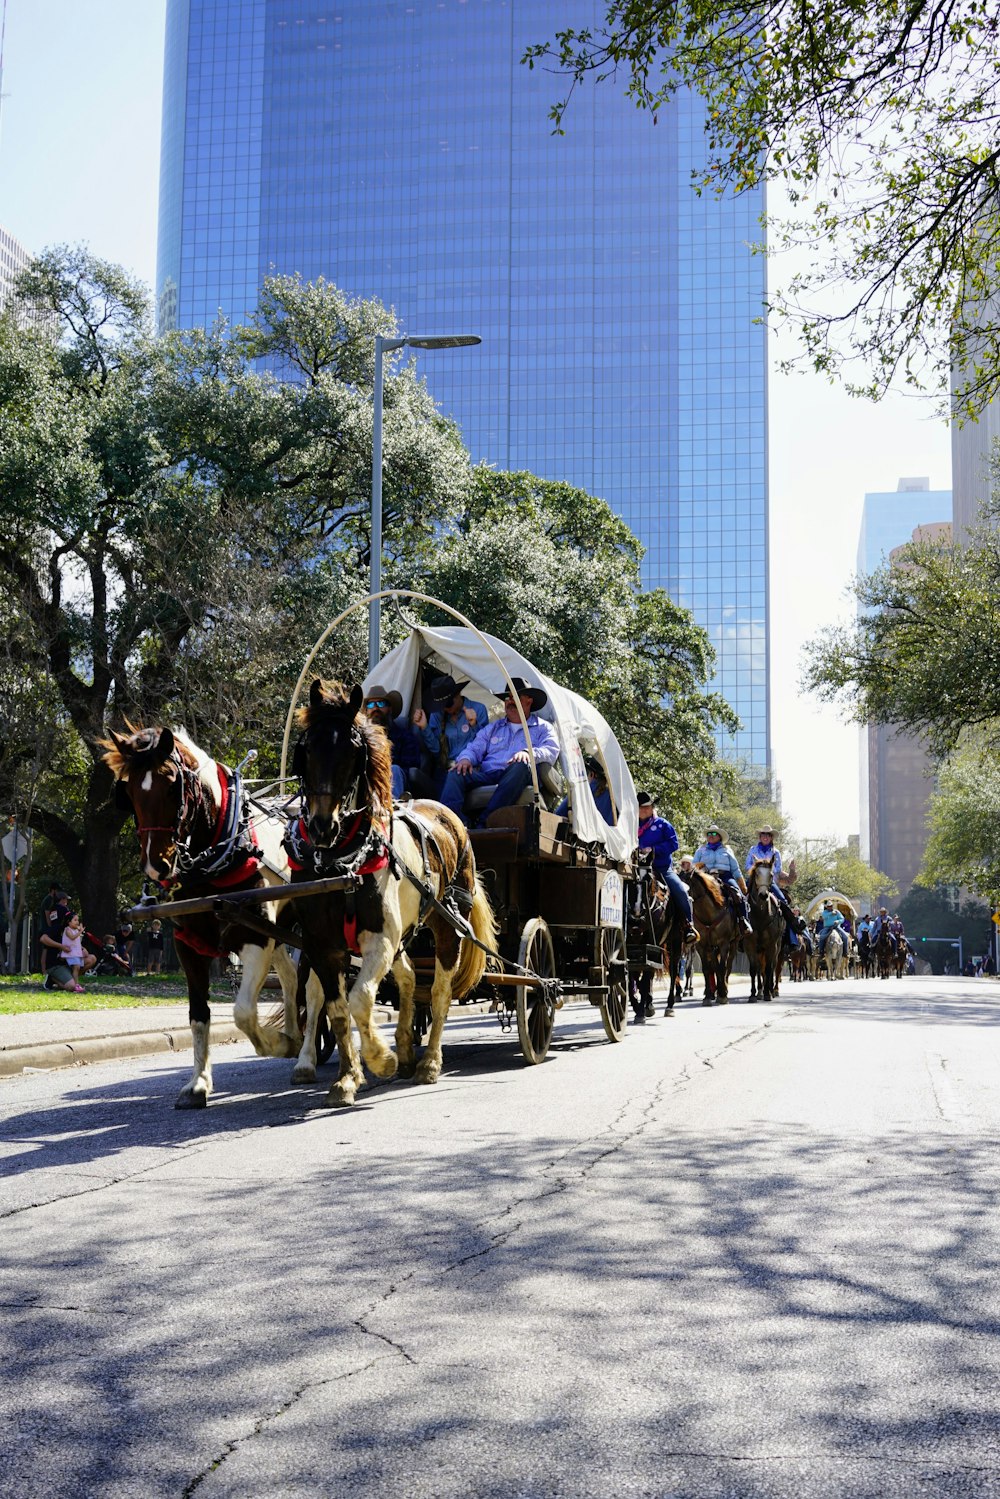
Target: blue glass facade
(399,148)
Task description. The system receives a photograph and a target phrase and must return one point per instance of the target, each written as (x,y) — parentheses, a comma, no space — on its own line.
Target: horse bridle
(191,801)
(323,856)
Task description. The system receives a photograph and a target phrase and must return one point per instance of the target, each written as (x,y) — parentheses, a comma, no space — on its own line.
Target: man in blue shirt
(384,708)
(453,724)
(658,834)
(498,755)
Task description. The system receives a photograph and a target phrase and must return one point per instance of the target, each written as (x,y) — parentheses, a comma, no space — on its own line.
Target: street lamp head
(443,341)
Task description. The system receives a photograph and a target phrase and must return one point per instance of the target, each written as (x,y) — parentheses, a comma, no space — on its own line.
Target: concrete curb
(17,1059)
(45,1056)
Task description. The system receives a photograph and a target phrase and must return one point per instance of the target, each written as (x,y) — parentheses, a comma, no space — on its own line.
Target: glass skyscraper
(399,148)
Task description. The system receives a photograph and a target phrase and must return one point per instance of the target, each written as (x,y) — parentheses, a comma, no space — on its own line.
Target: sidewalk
(67,1038)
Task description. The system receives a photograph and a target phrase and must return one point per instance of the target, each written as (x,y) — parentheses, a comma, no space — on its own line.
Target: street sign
(15,846)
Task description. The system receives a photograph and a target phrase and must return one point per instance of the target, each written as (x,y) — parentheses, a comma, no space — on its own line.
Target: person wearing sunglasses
(498,755)
(384,708)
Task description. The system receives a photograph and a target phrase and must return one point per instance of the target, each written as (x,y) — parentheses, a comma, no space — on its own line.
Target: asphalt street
(751,1251)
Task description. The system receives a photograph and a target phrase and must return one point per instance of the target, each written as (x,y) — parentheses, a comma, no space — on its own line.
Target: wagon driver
(498,755)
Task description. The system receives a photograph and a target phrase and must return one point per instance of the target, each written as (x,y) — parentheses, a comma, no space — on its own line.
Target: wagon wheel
(535,1015)
(614,1004)
(326,1041)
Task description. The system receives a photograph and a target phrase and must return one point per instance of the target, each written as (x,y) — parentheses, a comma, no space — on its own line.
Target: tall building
(896,772)
(399,148)
(972,451)
(13,258)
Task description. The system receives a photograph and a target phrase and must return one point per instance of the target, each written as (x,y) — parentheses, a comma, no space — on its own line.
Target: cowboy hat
(644,799)
(539,697)
(443,689)
(762,831)
(378,694)
(713,828)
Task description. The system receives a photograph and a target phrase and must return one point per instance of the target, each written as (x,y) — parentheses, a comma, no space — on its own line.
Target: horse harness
(364,851)
(231,858)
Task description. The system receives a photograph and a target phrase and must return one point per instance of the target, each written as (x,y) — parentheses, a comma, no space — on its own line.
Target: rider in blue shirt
(658,834)
(764,849)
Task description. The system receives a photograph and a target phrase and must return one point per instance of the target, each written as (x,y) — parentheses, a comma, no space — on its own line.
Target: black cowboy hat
(644,799)
(594,767)
(539,697)
(392,700)
(443,689)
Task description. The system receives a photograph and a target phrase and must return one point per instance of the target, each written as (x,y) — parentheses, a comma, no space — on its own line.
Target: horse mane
(334,705)
(712,887)
(140,754)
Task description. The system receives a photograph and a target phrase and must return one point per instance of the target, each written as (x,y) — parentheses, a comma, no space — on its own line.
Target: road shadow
(647,1294)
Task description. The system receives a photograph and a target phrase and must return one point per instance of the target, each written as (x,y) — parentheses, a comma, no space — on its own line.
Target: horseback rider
(830,920)
(764,849)
(882,924)
(657,834)
(718,859)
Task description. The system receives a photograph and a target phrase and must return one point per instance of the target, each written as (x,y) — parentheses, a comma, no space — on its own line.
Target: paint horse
(348,828)
(197,839)
(719,931)
(767,918)
(834,954)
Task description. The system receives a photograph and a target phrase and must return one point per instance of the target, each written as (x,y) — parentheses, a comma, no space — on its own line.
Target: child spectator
(154,948)
(74,955)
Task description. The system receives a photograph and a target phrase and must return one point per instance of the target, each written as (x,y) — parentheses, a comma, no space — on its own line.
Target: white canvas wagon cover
(580,728)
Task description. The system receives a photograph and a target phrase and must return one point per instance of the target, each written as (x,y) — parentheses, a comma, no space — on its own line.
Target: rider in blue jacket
(764,849)
(658,834)
(718,859)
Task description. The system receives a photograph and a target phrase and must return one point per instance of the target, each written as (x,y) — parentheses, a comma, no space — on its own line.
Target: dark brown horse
(196,839)
(884,954)
(348,827)
(719,931)
(664,929)
(763,949)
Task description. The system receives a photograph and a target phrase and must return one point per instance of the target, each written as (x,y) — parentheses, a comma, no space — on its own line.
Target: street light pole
(383,346)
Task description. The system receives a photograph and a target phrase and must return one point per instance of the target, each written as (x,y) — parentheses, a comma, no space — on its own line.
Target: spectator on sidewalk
(154,948)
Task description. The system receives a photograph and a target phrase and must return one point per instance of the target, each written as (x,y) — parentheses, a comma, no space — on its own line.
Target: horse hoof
(668,1013)
(723,999)
(339,1098)
(706,1004)
(383,1067)
(752,1000)
(304,1075)
(189,1100)
(406,1069)
(427,1072)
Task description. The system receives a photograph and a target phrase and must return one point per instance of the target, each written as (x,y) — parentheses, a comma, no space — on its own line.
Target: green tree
(551,570)
(964,818)
(932,913)
(173,511)
(878,120)
(924,652)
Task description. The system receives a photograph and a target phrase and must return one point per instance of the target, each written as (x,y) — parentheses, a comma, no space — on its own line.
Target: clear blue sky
(79,161)
(80,135)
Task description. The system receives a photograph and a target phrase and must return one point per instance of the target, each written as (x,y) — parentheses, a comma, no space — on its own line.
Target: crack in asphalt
(196,1148)
(262,1422)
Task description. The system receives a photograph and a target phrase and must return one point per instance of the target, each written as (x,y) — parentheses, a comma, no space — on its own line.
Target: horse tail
(471,959)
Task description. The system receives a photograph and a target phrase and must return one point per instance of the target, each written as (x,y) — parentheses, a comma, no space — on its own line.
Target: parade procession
(499,749)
